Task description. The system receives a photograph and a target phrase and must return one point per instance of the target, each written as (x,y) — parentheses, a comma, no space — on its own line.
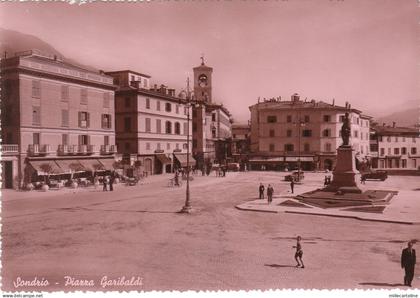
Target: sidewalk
(404,208)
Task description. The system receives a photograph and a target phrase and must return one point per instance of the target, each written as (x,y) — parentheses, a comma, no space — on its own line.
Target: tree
(75,167)
(48,169)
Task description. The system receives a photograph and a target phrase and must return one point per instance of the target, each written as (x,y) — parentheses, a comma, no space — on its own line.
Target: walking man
(111,182)
(408,261)
(292,185)
(299,252)
(261,189)
(105,182)
(270,192)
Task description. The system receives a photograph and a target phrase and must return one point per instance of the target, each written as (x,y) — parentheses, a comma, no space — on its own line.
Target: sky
(365,52)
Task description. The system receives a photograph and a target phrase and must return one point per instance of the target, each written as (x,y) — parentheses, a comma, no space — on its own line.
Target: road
(137,231)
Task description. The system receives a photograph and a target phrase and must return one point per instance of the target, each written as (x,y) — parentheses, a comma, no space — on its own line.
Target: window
(413,150)
(185,128)
(396,139)
(177,109)
(65,118)
(83,140)
(326,133)
(356,134)
(414,139)
(271,119)
(168,127)
(403,150)
(36,115)
(271,133)
(127,102)
(177,146)
(403,139)
(185,111)
(184,146)
(388,139)
(213,117)
(306,147)
(127,146)
(83,119)
(106,100)
(158,126)
(396,151)
(327,118)
(36,138)
(64,93)
(342,118)
(382,151)
(213,133)
(177,128)
(380,139)
(148,125)
(84,96)
(289,133)
(168,146)
(147,103)
(328,147)
(127,124)
(106,121)
(271,148)
(389,151)
(158,146)
(106,140)
(288,147)
(36,89)
(289,119)
(64,139)
(147,146)
(307,119)
(158,105)
(168,107)
(307,133)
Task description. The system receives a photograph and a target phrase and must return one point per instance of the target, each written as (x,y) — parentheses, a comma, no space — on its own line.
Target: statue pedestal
(345,173)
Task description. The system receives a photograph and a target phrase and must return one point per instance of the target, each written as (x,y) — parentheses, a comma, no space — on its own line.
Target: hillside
(407,117)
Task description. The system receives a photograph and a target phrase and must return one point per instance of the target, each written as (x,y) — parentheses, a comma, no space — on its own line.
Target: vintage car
(295,176)
(375,175)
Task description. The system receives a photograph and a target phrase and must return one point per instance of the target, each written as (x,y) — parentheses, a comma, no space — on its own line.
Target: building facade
(284,133)
(55,114)
(241,140)
(151,123)
(395,148)
(211,121)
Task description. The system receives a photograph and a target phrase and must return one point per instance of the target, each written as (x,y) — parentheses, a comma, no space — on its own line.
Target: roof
(203,66)
(129,89)
(238,126)
(389,130)
(127,70)
(302,105)
(214,106)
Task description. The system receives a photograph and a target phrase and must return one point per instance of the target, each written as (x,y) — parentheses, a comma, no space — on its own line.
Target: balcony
(9,149)
(82,149)
(91,149)
(65,149)
(39,150)
(108,149)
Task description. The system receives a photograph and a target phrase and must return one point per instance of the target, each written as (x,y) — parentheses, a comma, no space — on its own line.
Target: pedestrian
(176,179)
(105,182)
(408,262)
(299,252)
(325,181)
(270,192)
(292,185)
(224,171)
(96,181)
(261,190)
(363,179)
(111,182)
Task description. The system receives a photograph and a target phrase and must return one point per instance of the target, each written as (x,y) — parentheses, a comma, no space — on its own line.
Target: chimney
(349,106)
(333,102)
(155,87)
(393,124)
(162,89)
(295,97)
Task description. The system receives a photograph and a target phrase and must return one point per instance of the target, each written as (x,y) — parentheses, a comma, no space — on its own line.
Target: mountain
(14,41)
(408,117)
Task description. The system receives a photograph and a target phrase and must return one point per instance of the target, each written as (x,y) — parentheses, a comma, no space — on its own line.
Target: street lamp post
(300,123)
(187,206)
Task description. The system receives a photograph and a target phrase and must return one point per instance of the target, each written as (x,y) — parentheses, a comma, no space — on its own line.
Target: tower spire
(202,59)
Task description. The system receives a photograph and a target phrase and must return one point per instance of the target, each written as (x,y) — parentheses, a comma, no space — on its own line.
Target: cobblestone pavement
(136,231)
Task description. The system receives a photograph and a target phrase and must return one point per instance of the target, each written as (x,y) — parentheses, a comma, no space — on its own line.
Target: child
(299,253)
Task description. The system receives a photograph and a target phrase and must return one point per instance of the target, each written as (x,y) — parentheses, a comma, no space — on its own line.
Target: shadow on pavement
(279,266)
(380,284)
(129,211)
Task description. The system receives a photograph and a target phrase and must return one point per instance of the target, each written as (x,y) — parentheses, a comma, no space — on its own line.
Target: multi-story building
(395,148)
(151,123)
(284,133)
(241,143)
(55,114)
(211,121)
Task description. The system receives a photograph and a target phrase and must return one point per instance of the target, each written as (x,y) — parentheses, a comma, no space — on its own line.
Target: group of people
(221,171)
(106,181)
(270,192)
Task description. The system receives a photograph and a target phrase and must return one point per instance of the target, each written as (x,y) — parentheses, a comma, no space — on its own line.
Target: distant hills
(14,41)
(408,117)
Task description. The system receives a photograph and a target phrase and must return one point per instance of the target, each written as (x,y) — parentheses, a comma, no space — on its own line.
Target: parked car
(295,176)
(373,175)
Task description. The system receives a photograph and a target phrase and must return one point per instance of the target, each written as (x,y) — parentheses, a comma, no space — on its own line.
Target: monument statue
(346,130)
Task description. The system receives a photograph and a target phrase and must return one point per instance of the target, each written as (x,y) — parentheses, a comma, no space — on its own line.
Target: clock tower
(202,82)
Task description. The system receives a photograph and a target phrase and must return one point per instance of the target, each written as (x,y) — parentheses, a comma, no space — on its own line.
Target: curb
(255,210)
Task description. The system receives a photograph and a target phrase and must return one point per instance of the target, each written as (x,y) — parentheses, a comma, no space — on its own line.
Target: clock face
(202,80)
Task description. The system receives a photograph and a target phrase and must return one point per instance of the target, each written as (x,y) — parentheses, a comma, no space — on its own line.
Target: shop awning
(107,163)
(70,165)
(46,167)
(182,158)
(302,158)
(267,160)
(92,165)
(163,159)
